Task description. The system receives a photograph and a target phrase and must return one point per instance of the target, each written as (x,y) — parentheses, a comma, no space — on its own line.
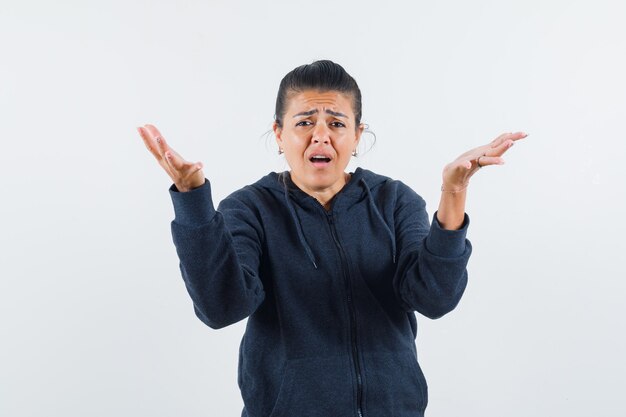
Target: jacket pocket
(395,384)
(316,387)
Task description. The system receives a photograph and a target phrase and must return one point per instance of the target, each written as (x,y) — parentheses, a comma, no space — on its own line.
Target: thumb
(198,166)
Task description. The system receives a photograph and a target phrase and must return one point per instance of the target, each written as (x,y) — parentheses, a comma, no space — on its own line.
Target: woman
(328,266)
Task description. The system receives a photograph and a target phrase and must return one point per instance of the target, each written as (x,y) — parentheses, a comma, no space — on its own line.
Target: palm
(185,175)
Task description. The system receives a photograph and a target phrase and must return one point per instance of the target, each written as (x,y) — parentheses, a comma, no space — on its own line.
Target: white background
(94,316)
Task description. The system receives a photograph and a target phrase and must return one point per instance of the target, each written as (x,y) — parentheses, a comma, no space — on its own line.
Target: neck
(323,195)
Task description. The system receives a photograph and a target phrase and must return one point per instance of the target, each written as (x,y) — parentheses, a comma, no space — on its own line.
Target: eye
(338,124)
(303,123)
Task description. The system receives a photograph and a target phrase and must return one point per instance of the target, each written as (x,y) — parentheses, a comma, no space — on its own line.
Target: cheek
(295,152)
(346,144)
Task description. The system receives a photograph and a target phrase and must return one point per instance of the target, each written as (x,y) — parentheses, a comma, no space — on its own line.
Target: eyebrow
(310,112)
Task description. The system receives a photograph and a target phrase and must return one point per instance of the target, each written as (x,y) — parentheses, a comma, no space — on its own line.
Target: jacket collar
(362,181)
(352,190)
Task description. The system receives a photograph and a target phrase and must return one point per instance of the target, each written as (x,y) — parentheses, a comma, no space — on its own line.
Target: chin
(321,180)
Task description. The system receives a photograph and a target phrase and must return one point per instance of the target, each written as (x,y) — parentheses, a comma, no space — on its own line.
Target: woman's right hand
(185,175)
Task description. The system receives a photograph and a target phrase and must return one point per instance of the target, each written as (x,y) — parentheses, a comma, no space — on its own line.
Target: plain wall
(94,316)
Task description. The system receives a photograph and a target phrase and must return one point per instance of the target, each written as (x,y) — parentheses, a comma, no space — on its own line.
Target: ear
(277,133)
(359,132)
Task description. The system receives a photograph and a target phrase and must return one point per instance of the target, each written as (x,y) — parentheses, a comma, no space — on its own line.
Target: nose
(321,133)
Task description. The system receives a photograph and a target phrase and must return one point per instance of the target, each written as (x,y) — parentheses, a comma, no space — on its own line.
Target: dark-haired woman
(328,266)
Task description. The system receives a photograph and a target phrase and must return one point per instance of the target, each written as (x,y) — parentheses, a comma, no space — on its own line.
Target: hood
(360,186)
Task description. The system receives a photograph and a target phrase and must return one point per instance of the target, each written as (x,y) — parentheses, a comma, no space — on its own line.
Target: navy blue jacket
(330,295)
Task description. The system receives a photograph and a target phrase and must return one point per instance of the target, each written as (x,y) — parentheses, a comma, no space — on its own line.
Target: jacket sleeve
(431,273)
(219,263)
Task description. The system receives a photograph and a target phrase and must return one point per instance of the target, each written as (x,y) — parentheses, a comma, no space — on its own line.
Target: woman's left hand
(457,173)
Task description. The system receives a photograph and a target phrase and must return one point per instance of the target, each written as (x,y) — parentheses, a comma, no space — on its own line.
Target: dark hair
(323,75)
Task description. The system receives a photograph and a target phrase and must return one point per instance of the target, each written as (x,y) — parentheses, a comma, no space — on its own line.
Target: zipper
(351,308)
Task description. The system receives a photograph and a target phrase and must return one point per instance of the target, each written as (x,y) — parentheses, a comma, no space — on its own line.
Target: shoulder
(255,195)
(388,187)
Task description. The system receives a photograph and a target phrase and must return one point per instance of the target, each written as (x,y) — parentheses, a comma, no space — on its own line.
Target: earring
(354,152)
(280,151)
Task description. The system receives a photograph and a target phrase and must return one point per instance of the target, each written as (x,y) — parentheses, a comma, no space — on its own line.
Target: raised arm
(431,273)
(219,260)
(219,253)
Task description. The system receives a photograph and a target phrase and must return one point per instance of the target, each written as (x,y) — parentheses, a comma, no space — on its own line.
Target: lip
(320,165)
(322,153)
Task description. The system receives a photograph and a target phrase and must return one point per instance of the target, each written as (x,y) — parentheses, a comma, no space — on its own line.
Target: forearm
(431,277)
(223,289)
(451,210)
(221,278)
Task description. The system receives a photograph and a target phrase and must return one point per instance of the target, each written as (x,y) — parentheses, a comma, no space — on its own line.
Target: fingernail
(139,130)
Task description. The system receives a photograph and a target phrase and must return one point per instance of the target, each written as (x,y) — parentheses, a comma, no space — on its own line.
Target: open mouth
(319,159)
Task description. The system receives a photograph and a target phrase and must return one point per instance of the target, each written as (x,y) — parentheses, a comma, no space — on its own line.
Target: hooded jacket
(330,295)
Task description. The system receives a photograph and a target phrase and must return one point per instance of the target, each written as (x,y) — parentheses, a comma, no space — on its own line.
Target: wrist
(454,188)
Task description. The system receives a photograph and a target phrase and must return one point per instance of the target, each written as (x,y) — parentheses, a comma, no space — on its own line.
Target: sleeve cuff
(447,243)
(193,207)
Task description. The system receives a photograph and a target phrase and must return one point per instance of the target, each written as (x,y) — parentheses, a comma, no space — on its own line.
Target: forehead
(313,99)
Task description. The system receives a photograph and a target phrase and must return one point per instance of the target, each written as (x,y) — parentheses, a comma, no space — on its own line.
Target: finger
(156,153)
(181,165)
(483,161)
(465,164)
(506,136)
(162,145)
(151,137)
(170,157)
(156,137)
(499,139)
(174,160)
(149,143)
(500,149)
(481,150)
(152,130)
